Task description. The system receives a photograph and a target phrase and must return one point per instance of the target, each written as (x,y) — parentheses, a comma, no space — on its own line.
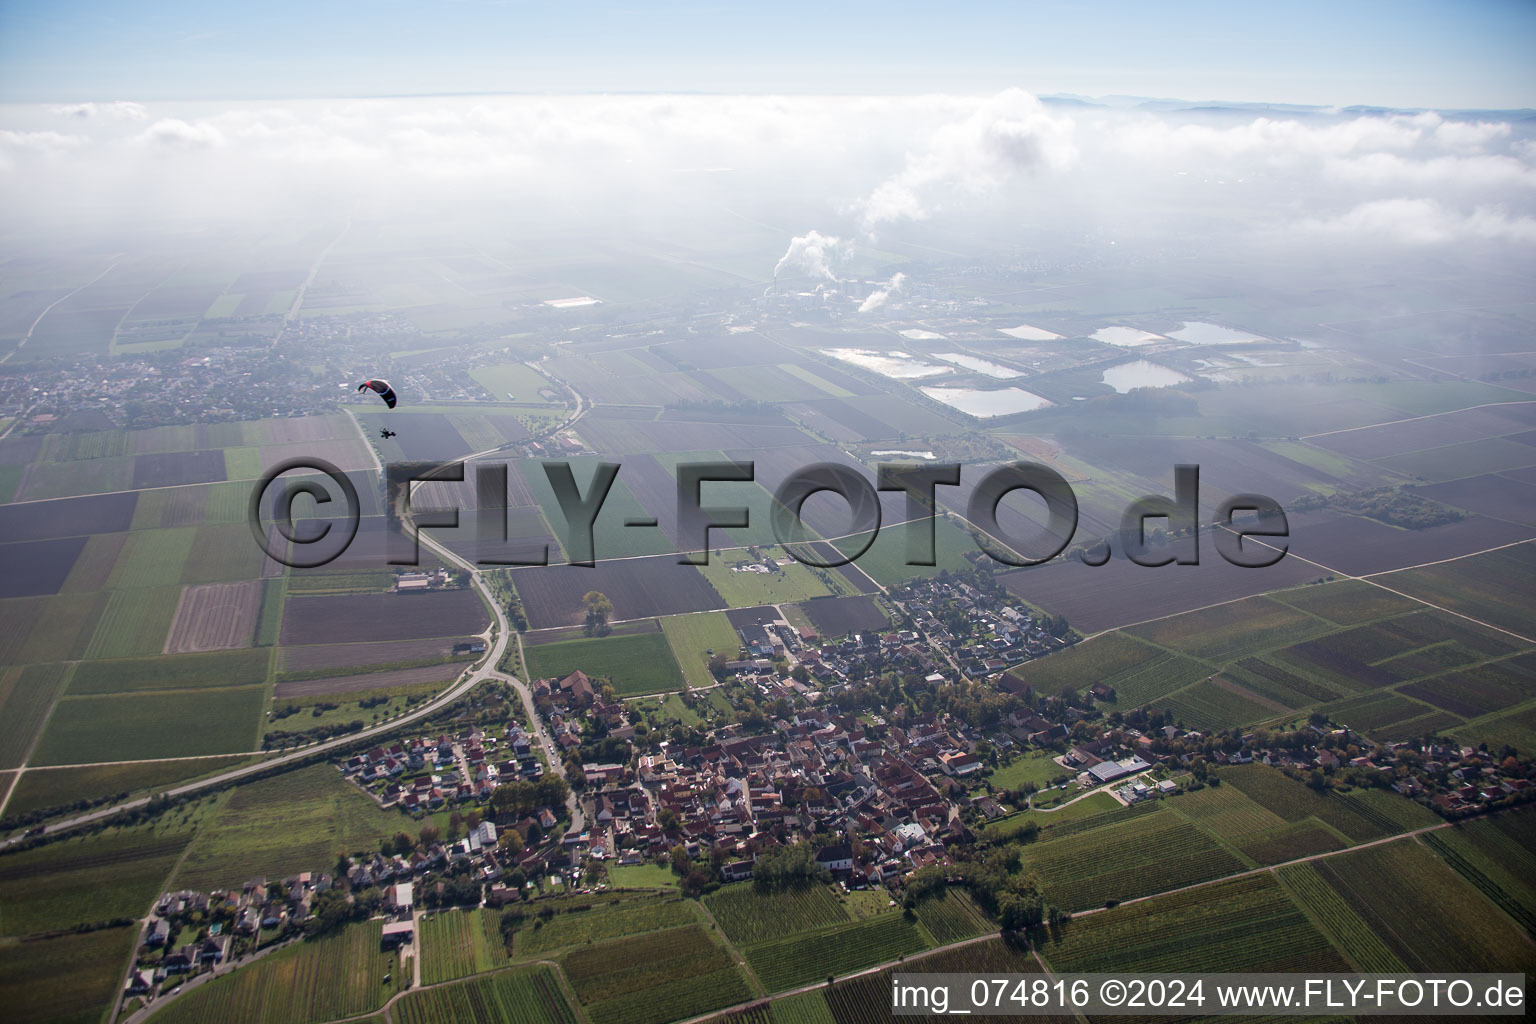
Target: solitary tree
(598,608)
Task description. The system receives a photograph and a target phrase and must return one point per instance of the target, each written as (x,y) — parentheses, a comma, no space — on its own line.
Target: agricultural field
(637,664)
(1294,801)
(793,581)
(65,980)
(1346,602)
(298,821)
(1332,916)
(380,617)
(885,560)
(649,979)
(339,975)
(748,916)
(526,995)
(48,628)
(172,672)
(868,997)
(153,558)
(1218,704)
(145,726)
(582,925)
(1225,812)
(134,623)
(215,617)
(840,616)
(639,588)
(1245,924)
(422,677)
(26,695)
(805,957)
(1120,593)
(1430,917)
(1289,842)
(953,915)
(1232,631)
(42,788)
(458,943)
(1153,853)
(87,879)
(1493,587)
(35,568)
(344,659)
(1497,857)
(692,637)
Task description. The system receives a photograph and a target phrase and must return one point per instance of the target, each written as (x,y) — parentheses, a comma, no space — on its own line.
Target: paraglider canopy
(382,387)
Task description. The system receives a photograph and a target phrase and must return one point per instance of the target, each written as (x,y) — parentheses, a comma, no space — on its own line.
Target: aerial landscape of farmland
(712,546)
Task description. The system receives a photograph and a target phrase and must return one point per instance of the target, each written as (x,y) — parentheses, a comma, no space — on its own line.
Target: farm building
(1109,771)
(397,933)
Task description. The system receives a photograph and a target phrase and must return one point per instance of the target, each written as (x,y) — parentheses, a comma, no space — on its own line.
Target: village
(879,756)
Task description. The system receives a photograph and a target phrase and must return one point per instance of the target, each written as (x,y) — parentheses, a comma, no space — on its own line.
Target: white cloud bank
(858,170)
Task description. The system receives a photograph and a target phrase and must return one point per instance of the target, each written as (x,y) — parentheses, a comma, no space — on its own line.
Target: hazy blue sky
(1404,52)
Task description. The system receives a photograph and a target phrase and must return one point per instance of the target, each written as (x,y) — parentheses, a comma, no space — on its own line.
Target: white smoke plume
(813,253)
(878,297)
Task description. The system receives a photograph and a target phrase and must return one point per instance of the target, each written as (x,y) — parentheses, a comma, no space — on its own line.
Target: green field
(811,956)
(582,926)
(1430,917)
(1091,811)
(223,552)
(885,560)
(1152,853)
(637,664)
(1294,801)
(172,672)
(88,879)
(1245,924)
(1035,766)
(526,995)
(153,558)
(66,980)
(1289,842)
(145,726)
(1086,663)
(610,537)
(641,876)
(1346,602)
(1495,855)
(1225,811)
(748,916)
(691,636)
(953,915)
(1233,630)
(458,943)
(26,694)
(339,975)
(294,822)
(523,382)
(135,623)
(649,979)
(1494,587)
(1332,916)
(59,787)
(793,582)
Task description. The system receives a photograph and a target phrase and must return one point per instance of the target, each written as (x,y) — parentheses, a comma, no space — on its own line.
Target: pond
(985,404)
